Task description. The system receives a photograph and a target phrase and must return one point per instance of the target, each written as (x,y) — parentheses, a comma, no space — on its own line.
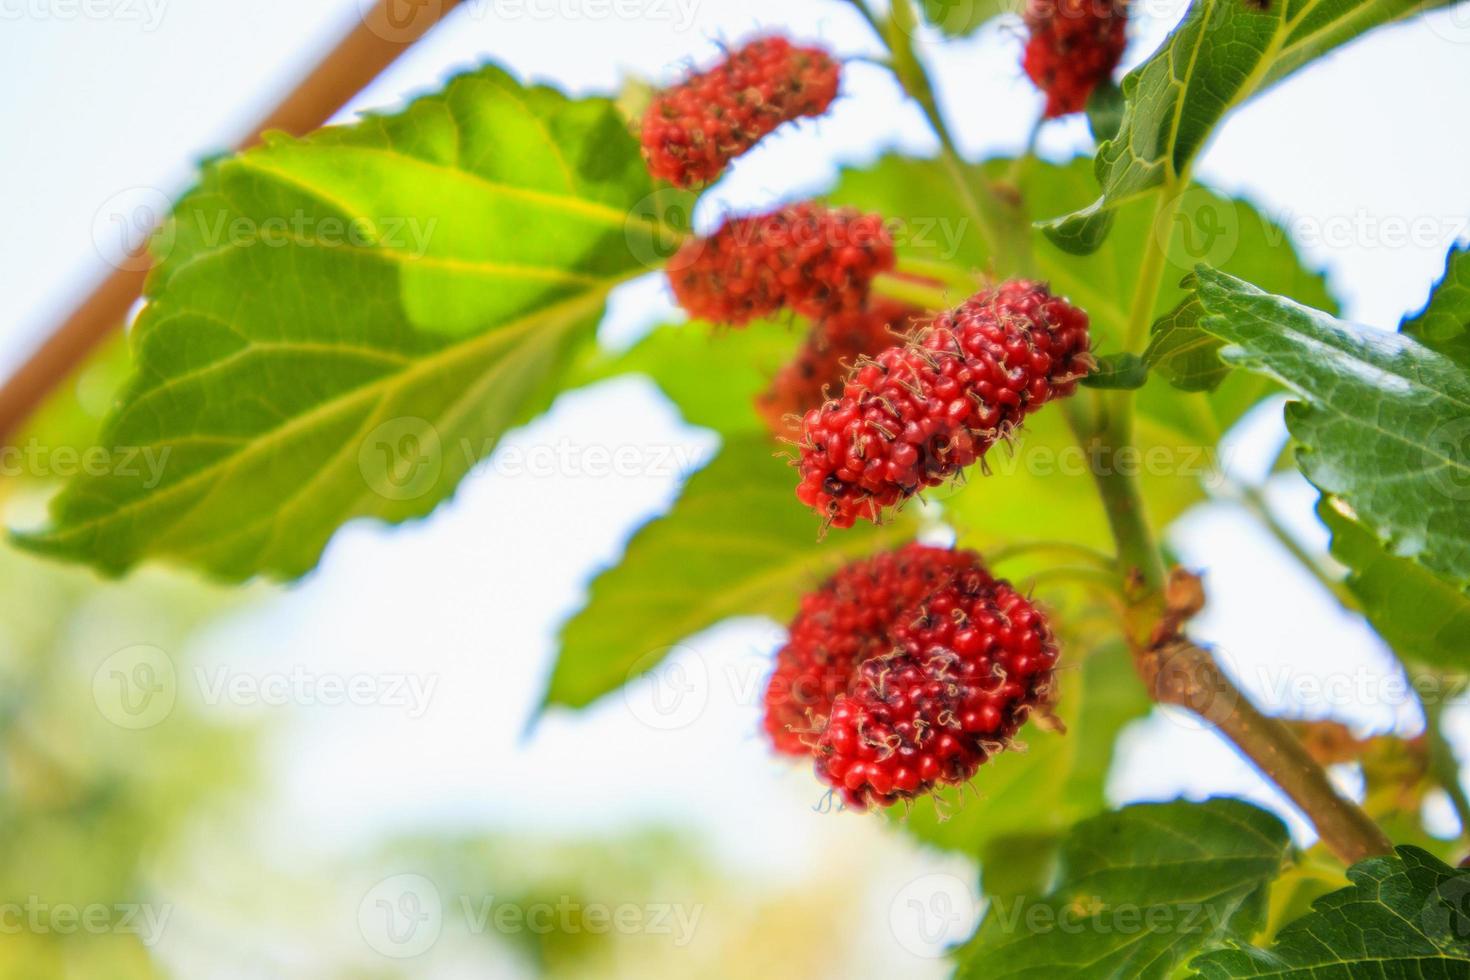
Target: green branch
(919,294)
(1254,501)
(1444,766)
(1000,219)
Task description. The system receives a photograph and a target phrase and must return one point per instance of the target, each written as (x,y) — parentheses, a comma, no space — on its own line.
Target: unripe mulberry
(919,413)
(847,621)
(833,345)
(810,259)
(691,131)
(966,668)
(1074,45)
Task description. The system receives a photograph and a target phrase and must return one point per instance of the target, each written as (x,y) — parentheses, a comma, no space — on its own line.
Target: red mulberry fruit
(833,346)
(1074,45)
(691,131)
(919,413)
(804,257)
(842,624)
(966,668)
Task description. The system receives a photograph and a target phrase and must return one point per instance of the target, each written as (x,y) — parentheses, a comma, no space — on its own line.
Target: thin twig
(910,291)
(1253,500)
(1444,765)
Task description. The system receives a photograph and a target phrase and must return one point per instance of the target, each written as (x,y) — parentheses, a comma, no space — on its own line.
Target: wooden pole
(375,42)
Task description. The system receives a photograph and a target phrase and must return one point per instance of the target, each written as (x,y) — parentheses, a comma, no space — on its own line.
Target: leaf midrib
(381,387)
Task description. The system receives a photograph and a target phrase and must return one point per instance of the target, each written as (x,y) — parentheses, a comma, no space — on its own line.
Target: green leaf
(1382,424)
(1058,780)
(959,18)
(1221,54)
(1115,371)
(1180,351)
(343,325)
(1444,323)
(1105,111)
(1424,619)
(737,543)
(1235,237)
(1138,892)
(1403,918)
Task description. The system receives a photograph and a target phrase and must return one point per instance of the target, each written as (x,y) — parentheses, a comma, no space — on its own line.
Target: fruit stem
(1106,580)
(912,291)
(938,272)
(1094,558)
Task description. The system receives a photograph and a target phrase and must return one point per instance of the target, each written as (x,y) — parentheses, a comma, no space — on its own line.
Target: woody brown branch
(1178,672)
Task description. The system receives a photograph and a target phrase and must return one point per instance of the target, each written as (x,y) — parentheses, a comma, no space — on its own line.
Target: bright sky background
(469,600)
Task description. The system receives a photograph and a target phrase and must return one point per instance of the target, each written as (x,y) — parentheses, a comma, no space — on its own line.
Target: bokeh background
(347,777)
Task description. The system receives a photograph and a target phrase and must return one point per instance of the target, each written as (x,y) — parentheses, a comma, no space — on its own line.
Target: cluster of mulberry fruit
(833,345)
(918,413)
(1074,45)
(815,261)
(908,670)
(691,131)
